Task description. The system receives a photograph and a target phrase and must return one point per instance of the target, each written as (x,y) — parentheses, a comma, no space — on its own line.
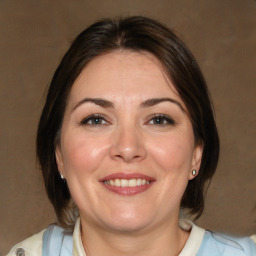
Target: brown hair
(135,34)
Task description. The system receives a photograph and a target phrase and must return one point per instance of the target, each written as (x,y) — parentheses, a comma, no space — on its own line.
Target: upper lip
(127,176)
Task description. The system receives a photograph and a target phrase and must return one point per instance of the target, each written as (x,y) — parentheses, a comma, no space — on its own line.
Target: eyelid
(85,120)
(166,117)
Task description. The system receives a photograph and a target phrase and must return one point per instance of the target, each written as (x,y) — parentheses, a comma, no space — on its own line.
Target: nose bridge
(128,143)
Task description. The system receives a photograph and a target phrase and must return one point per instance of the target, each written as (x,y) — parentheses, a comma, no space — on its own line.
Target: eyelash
(94,117)
(160,120)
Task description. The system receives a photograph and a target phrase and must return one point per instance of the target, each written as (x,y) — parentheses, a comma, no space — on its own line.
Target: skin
(127,138)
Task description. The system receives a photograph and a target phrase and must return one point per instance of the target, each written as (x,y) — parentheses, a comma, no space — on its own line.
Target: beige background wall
(33,36)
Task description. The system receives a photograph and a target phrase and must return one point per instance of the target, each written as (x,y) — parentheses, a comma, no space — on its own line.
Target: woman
(127,142)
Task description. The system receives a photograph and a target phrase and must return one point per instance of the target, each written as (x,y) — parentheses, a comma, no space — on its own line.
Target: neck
(164,240)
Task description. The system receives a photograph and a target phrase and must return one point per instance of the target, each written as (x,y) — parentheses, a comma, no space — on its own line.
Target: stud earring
(61,175)
(194,172)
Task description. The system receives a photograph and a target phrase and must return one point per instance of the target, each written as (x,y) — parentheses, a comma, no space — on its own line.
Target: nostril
(128,146)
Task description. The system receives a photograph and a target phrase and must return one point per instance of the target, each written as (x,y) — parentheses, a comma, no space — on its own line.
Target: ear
(59,159)
(196,160)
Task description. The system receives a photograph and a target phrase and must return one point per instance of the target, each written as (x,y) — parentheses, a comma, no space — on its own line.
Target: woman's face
(127,146)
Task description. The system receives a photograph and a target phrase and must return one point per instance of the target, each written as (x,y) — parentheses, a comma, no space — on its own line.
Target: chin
(128,226)
(128,222)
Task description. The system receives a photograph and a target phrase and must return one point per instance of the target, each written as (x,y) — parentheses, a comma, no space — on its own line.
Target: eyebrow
(155,101)
(108,104)
(97,101)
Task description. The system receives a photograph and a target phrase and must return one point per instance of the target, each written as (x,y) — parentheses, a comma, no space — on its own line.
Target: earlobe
(196,161)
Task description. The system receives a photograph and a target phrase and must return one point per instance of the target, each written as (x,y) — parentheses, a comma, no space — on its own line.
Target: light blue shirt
(216,244)
(56,241)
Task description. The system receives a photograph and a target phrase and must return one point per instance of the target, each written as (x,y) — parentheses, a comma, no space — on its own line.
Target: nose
(128,145)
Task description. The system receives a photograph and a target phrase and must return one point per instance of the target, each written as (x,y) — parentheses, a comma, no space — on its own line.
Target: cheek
(83,155)
(173,153)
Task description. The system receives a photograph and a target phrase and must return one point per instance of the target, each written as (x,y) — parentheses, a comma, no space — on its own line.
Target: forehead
(123,74)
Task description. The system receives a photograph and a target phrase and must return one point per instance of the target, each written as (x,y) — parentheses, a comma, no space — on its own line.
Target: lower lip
(128,191)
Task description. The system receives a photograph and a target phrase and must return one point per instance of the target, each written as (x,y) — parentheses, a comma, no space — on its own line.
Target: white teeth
(127,183)
(132,183)
(124,183)
(117,183)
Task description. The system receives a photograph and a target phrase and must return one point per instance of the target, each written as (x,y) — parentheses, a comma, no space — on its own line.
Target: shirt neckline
(195,237)
(190,249)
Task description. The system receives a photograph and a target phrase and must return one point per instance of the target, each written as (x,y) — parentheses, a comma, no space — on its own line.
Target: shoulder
(224,245)
(30,247)
(51,242)
(57,241)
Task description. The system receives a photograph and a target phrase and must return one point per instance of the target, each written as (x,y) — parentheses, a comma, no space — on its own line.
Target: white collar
(78,248)
(190,249)
(194,240)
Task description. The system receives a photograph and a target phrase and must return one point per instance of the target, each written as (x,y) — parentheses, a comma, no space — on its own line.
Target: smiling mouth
(127,184)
